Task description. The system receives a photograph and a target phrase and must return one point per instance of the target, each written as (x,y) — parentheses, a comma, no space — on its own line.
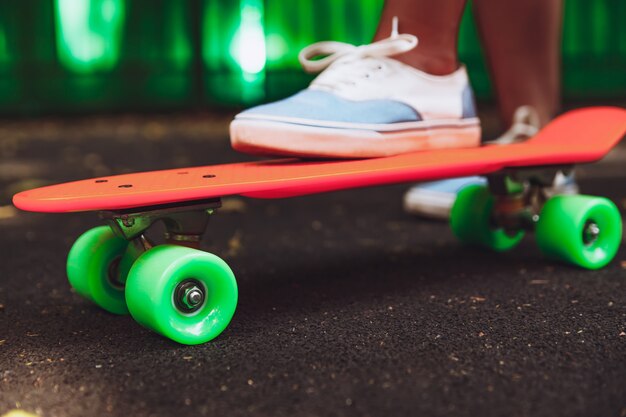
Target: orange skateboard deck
(579,136)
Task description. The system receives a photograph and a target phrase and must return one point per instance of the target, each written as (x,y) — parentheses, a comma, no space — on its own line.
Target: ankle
(434,65)
(543,113)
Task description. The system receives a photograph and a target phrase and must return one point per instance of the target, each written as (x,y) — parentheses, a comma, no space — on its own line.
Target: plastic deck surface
(579,136)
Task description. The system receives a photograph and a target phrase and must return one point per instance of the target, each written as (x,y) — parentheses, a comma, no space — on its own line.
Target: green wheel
(470,220)
(93,268)
(581,230)
(184,294)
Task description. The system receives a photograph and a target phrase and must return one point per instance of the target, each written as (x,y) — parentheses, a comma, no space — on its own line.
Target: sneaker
(526,124)
(364,104)
(435,199)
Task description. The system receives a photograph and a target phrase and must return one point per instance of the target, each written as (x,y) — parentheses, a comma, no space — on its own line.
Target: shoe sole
(428,203)
(276,138)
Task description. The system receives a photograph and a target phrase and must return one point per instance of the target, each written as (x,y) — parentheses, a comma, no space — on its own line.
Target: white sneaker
(364,104)
(526,124)
(435,199)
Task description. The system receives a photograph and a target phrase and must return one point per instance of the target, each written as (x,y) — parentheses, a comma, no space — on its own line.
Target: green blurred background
(70,56)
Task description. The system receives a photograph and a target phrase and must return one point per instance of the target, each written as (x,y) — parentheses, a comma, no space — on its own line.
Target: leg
(436,24)
(521,40)
(522,43)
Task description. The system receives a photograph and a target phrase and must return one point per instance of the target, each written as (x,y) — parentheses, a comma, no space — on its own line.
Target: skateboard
(190,296)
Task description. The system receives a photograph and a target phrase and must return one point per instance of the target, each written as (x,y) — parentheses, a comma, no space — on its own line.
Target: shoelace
(363,59)
(345,64)
(394,45)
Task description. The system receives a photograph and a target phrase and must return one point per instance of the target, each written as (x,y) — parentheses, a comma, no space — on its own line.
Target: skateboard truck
(185,224)
(520,195)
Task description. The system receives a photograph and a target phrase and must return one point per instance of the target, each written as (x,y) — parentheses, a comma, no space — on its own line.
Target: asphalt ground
(348,306)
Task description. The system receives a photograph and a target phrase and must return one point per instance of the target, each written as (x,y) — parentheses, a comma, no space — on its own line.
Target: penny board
(579,136)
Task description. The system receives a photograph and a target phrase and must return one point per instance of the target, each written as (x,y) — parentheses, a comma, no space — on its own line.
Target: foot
(364,104)
(435,199)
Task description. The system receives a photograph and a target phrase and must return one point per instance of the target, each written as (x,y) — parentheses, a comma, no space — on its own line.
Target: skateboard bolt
(193,297)
(591,233)
(189,296)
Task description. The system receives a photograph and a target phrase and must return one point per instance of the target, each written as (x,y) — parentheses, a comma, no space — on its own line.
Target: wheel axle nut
(193,297)
(591,233)
(189,296)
